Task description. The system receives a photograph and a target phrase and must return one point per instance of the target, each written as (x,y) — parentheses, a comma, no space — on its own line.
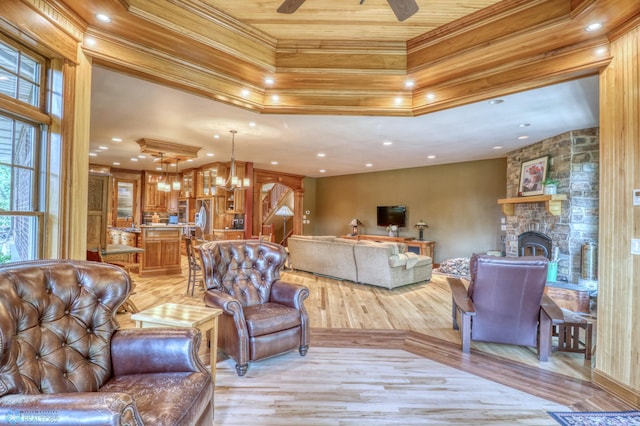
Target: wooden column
(619,271)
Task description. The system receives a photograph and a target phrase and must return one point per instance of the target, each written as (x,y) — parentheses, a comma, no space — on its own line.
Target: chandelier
(233,181)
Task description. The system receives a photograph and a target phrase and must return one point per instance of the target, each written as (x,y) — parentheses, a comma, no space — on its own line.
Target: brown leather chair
(262,315)
(64,361)
(505,303)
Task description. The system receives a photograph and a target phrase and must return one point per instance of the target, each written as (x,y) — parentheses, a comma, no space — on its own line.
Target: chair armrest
(461,297)
(221,300)
(551,310)
(88,408)
(156,350)
(288,294)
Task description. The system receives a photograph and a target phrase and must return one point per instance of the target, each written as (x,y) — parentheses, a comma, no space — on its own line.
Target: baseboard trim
(615,388)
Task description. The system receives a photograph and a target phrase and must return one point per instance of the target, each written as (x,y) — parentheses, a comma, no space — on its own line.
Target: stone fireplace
(532,243)
(573,161)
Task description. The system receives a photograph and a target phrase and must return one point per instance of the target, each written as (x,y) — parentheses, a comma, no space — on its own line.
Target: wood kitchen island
(161,246)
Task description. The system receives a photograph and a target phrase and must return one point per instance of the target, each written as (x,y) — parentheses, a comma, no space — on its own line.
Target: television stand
(425,248)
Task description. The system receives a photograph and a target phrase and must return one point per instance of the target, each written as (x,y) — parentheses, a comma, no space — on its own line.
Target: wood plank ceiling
(338,57)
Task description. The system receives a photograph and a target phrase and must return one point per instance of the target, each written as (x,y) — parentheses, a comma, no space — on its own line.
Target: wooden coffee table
(175,315)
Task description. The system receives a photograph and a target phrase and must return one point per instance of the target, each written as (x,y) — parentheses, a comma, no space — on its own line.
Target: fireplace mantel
(552,203)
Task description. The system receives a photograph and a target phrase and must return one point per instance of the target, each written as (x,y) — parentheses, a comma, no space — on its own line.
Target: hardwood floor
(415,319)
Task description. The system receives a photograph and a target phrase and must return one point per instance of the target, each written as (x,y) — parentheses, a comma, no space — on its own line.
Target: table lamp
(421,225)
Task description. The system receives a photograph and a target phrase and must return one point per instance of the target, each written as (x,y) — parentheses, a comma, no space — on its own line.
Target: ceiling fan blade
(290,6)
(403,8)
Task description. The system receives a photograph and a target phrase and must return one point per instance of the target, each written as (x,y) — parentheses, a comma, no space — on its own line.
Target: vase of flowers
(392,230)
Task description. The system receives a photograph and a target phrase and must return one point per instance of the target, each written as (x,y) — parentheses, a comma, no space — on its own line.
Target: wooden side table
(175,315)
(568,333)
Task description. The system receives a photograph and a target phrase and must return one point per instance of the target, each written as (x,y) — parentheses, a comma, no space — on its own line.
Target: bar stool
(195,271)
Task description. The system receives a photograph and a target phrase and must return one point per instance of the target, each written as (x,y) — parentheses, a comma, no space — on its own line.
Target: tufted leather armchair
(262,315)
(64,361)
(505,303)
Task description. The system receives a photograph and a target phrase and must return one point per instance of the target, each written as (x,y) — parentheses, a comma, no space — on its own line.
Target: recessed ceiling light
(269,80)
(524,125)
(497,147)
(323,171)
(116,163)
(322,154)
(495,101)
(245,92)
(190,160)
(523,137)
(368,165)
(252,124)
(431,157)
(275,98)
(90,41)
(593,27)
(103,147)
(142,156)
(216,136)
(387,143)
(103,17)
(409,83)
(398,100)
(601,51)
(430,96)
(134,159)
(98,150)
(275,163)
(210,154)
(93,154)
(116,139)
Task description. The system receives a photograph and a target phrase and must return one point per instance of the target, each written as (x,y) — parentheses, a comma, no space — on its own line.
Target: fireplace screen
(533,243)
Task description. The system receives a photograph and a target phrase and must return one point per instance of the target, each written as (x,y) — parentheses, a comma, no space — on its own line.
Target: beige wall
(458,202)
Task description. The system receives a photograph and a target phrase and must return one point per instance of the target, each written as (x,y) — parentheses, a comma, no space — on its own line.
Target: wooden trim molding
(616,388)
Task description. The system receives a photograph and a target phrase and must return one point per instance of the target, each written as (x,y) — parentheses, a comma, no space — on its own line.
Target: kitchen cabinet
(188,185)
(154,200)
(228,234)
(161,254)
(172,206)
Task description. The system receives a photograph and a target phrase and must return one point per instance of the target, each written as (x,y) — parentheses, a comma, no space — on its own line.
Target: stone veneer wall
(574,162)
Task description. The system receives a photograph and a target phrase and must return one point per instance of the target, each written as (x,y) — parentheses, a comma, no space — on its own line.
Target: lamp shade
(421,224)
(284,211)
(354,222)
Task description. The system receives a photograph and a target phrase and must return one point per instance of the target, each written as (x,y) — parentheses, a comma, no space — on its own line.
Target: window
(21,205)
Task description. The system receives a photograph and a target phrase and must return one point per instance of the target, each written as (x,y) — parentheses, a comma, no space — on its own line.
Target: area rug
(621,418)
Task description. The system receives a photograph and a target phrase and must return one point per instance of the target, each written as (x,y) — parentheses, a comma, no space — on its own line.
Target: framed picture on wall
(532,176)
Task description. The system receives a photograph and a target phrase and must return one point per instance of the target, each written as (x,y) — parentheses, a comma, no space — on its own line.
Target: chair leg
(241,369)
(303,349)
(454,314)
(544,338)
(466,333)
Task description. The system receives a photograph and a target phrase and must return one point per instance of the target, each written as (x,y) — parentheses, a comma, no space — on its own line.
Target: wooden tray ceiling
(340,57)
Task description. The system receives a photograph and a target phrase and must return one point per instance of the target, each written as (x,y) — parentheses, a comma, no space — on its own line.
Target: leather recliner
(262,315)
(505,303)
(64,361)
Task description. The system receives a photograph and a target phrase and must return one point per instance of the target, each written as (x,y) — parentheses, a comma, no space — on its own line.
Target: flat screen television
(392,215)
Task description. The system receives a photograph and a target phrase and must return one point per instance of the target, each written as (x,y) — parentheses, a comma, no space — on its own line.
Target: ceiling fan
(403,9)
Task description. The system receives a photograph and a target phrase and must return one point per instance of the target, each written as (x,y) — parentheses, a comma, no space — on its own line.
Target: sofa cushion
(270,317)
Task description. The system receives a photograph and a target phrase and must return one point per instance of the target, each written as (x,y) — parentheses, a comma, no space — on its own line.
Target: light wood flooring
(415,319)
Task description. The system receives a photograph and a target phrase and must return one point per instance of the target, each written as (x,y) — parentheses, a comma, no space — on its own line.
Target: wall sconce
(354,223)
(421,225)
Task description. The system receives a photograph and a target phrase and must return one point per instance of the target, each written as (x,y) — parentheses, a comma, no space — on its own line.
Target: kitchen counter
(228,234)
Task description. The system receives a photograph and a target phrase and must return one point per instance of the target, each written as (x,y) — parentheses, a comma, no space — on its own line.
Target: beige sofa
(386,265)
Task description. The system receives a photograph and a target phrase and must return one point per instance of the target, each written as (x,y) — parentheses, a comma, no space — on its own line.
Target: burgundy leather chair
(262,315)
(505,303)
(64,361)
